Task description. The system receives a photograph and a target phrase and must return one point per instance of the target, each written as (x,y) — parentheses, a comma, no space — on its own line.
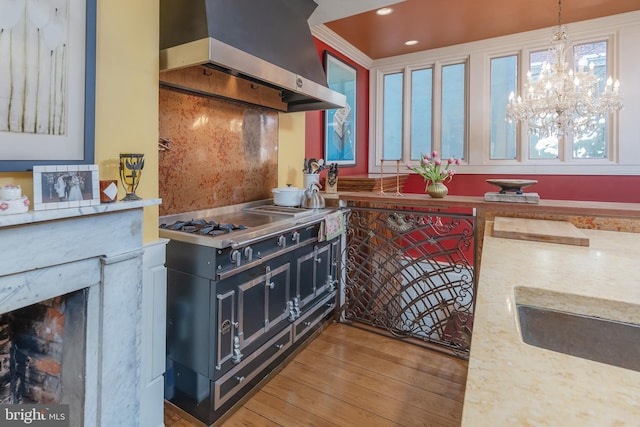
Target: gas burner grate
(202,226)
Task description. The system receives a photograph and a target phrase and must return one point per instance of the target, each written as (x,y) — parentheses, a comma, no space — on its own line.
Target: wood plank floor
(351,377)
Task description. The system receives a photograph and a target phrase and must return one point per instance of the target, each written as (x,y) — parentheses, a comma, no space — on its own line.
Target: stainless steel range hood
(264,41)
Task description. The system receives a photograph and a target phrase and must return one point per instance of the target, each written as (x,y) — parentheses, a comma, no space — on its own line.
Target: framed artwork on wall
(340,124)
(65,186)
(47,83)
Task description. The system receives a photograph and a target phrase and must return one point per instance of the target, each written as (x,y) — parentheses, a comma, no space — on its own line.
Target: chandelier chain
(559,13)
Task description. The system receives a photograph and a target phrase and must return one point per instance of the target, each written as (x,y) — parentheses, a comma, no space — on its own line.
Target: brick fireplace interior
(42,351)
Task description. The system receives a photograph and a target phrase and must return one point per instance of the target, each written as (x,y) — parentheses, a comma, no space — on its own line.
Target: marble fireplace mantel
(100,249)
(53,214)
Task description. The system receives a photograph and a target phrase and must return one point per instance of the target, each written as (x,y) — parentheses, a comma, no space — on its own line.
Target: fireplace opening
(42,352)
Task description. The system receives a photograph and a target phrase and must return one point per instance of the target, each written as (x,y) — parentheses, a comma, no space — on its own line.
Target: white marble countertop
(54,214)
(511,383)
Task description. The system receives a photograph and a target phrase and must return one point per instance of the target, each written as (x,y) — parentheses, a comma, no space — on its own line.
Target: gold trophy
(130,172)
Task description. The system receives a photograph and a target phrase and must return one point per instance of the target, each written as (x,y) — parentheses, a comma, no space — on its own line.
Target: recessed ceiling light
(384,11)
(411,42)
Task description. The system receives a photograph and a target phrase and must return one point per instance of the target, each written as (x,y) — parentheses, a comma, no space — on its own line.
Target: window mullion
(406,116)
(436,140)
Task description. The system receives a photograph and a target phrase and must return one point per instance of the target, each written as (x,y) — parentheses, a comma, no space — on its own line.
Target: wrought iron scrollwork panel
(411,273)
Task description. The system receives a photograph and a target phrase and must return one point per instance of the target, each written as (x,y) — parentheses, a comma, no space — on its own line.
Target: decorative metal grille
(410,272)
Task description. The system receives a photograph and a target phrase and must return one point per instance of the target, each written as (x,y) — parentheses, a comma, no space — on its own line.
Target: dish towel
(334,225)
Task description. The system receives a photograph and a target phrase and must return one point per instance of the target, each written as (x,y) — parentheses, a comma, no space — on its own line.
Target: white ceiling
(330,10)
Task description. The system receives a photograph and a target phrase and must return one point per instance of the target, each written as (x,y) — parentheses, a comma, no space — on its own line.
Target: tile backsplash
(222,152)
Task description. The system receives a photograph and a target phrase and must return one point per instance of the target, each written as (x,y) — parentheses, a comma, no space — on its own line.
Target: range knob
(248,253)
(236,258)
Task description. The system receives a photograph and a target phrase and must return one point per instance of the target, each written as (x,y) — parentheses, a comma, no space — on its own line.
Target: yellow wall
(291,149)
(127,94)
(126,97)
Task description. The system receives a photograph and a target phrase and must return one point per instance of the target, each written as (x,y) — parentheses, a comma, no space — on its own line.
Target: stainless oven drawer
(246,372)
(314,316)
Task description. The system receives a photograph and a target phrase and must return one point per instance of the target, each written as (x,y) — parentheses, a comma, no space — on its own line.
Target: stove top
(203,226)
(236,225)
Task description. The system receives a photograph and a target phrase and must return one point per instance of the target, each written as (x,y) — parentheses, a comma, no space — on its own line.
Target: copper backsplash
(222,152)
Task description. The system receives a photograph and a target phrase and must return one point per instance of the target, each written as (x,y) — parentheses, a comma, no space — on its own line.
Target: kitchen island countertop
(513,383)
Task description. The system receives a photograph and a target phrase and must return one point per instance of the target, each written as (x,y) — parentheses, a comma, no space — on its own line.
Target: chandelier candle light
(563,101)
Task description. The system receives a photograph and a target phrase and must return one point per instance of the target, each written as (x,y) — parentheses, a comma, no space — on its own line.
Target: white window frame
(486,151)
(377,98)
(622,34)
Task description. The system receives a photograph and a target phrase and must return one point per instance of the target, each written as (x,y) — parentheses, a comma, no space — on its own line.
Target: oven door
(263,302)
(261,298)
(313,271)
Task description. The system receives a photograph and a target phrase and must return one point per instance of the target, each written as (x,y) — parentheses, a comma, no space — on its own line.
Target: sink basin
(601,340)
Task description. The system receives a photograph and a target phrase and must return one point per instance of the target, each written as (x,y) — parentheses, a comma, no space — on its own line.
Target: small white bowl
(10,192)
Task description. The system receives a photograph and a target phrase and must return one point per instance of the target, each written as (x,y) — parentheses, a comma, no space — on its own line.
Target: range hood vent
(267,42)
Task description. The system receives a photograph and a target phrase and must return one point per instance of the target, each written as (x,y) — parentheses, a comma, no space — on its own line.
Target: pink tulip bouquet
(433,169)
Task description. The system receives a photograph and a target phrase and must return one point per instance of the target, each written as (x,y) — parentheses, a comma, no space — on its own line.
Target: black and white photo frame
(65,186)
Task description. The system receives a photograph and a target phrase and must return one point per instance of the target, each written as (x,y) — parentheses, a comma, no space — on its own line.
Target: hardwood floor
(351,377)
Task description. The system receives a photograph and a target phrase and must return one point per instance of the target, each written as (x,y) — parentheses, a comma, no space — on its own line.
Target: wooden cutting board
(539,230)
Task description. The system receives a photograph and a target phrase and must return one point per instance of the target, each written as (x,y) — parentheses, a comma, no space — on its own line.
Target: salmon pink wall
(314,145)
(603,188)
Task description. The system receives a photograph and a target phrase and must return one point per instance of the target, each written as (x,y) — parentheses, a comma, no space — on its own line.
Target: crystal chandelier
(563,101)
